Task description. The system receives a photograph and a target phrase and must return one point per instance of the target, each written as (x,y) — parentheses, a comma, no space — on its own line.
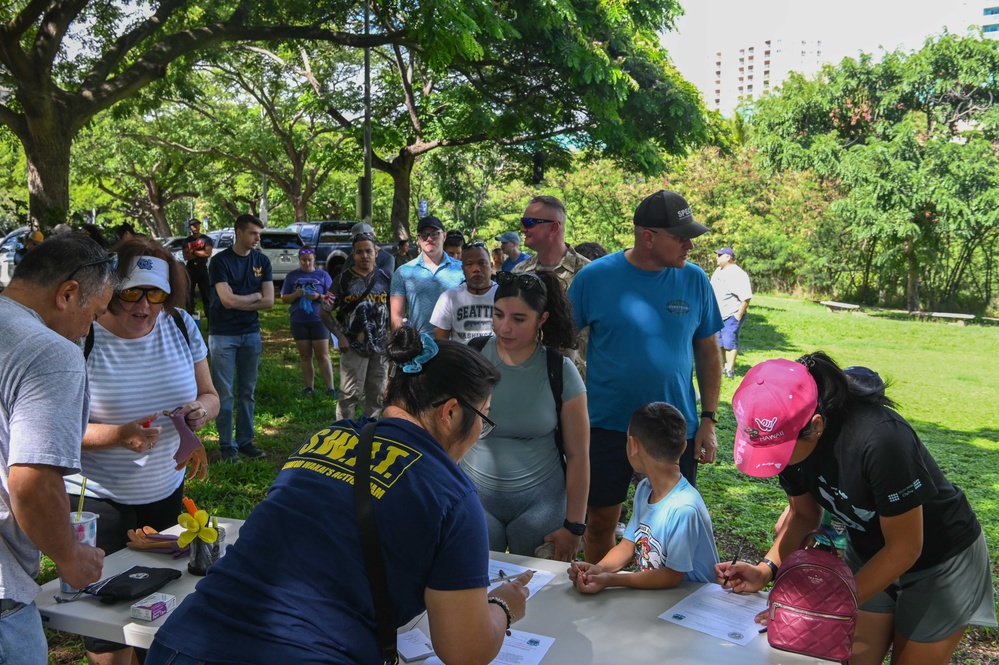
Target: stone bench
(947,316)
(834,306)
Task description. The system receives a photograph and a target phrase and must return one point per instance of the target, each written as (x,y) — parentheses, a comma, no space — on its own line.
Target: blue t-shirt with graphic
(293,588)
(642,328)
(422,287)
(675,532)
(317,281)
(244,275)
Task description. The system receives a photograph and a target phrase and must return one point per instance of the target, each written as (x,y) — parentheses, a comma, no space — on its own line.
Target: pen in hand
(738,552)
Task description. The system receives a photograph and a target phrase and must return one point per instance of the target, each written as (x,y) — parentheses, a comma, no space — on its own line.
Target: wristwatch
(710,415)
(575,528)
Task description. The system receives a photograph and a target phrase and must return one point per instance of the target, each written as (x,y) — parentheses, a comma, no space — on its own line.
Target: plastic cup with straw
(84,526)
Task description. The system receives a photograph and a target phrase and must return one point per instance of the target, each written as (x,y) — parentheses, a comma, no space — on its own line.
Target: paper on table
(413,645)
(519,648)
(505,569)
(719,612)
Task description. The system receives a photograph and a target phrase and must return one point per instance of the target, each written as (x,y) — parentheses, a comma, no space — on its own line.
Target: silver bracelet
(506,610)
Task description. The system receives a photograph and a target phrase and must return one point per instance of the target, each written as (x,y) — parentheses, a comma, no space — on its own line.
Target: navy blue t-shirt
(293,588)
(244,275)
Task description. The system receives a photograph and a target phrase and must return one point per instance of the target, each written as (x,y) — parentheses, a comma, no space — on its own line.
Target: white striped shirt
(129,379)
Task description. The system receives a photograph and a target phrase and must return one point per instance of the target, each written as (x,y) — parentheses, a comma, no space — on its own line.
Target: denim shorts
(728,336)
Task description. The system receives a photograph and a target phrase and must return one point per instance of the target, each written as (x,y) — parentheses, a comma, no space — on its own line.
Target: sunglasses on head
(154,295)
(473,245)
(526,281)
(111,258)
(531,222)
(305,251)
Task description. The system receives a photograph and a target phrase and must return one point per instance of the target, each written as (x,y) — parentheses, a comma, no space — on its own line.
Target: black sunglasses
(487,425)
(531,222)
(526,281)
(111,258)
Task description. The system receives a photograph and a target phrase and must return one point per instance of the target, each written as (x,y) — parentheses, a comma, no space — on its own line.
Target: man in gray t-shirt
(57,292)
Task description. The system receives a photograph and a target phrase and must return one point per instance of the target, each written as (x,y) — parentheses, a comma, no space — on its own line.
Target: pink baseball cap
(774,402)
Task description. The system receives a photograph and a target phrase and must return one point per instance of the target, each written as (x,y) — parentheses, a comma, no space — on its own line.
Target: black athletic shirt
(874,464)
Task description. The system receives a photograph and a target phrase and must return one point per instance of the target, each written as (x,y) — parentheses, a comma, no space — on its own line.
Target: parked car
(281,247)
(10,244)
(174,245)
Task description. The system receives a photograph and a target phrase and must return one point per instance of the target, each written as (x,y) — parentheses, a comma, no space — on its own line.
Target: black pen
(734,559)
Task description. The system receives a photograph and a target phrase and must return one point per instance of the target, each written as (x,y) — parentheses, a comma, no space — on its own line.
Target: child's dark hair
(660,429)
(559,330)
(837,391)
(456,371)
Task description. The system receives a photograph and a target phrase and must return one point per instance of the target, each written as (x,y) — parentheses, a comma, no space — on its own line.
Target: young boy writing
(669,535)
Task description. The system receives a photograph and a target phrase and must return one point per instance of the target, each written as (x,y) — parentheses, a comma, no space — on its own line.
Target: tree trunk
(47,149)
(912,276)
(401,170)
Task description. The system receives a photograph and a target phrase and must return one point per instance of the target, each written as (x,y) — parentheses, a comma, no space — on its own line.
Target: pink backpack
(813,606)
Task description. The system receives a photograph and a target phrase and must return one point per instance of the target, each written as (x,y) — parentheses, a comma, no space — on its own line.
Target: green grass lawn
(943,379)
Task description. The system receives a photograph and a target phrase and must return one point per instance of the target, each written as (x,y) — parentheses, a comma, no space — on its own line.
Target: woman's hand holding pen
(742,577)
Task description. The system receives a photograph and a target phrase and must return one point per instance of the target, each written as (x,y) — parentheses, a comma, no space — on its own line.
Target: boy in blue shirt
(669,536)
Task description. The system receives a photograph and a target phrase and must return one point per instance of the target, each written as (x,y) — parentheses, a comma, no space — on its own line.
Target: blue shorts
(309,330)
(728,336)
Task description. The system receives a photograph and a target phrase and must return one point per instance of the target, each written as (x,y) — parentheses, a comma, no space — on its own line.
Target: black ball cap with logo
(668,211)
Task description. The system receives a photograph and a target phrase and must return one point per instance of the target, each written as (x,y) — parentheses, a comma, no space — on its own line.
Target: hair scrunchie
(430,349)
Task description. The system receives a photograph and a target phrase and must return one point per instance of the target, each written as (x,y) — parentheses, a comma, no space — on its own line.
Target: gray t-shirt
(43,415)
(521,452)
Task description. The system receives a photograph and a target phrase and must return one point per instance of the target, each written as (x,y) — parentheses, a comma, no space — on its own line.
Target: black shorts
(610,470)
(309,330)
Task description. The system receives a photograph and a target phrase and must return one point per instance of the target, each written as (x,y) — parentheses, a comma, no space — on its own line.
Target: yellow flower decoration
(196,526)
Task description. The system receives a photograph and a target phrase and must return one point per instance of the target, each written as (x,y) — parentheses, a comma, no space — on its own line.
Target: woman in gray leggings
(528,500)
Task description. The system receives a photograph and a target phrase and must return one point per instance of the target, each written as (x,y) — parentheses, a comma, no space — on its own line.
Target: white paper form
(519,648)
(720,613)
(504,569)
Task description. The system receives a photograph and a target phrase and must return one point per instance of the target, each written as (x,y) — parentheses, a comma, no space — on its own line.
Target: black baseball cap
(429,222)
(668,211)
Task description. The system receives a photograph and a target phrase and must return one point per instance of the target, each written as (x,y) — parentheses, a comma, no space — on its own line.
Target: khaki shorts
(936,602)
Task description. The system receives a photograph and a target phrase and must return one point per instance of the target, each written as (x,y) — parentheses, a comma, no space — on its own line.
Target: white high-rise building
(742,74)
(989,18)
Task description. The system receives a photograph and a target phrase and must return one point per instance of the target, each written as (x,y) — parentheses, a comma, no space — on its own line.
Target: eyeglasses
(430,236)
(155,296)
(531,222)
(111,258)
(669,235)
(527,281)
(487,425)
(305,251)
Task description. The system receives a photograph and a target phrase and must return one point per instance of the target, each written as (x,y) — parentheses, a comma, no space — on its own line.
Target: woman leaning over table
(294,588)
(141,364)
(913,541)
(517,468)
